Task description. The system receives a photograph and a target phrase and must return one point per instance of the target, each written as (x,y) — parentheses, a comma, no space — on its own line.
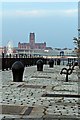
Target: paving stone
(29,93)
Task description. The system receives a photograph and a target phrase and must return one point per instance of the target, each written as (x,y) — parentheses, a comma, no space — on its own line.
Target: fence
(6,62)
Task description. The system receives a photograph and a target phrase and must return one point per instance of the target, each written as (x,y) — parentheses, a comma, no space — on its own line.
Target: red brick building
(32,44)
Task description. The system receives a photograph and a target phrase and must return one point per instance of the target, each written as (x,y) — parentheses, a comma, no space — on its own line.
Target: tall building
(32,40)
(32,44)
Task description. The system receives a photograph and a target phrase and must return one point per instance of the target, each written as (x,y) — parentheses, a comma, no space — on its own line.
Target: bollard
(39,65)
(10,55)
(55,61)
(75,63)
(51,63)
(58,61)
(17,70)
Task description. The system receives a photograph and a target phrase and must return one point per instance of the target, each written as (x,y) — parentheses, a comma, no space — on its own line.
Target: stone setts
(25,100)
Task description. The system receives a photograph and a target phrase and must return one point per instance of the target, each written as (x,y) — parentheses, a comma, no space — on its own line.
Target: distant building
(32,44)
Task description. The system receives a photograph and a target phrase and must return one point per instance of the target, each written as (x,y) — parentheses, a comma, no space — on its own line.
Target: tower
(32,40)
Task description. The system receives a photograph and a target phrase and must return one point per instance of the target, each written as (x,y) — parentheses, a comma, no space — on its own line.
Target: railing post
(51,63)
(2,61)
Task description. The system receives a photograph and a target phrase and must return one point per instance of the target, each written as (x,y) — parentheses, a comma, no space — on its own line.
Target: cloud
(40,13)
(27,13)
(71,11)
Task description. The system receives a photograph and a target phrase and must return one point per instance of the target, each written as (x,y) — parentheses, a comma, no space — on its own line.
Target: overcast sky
(55,23)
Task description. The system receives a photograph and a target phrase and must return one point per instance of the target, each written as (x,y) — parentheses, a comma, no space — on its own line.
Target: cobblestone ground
(25,99)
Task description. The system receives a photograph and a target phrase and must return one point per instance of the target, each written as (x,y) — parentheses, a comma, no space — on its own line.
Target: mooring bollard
(55,61)
(39,65)
(17,70)
(51,63)
(67,72)
(58,61)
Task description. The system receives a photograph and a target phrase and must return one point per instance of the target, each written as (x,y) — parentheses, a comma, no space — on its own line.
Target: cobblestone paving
(28,94)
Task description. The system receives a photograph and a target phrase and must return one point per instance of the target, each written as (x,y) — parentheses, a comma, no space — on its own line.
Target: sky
(55,23)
